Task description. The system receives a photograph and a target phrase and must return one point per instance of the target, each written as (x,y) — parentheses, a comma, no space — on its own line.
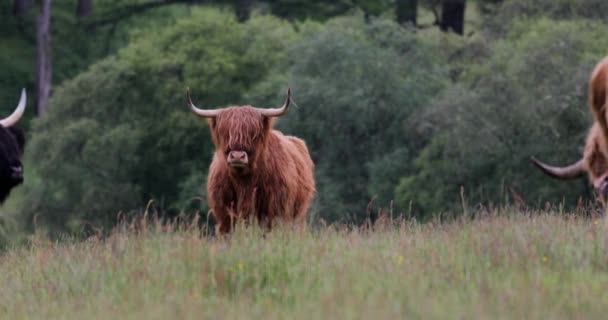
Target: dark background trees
(43,57)
(406,11)
(404,104)
(452,16)
(20,7)
(84,8)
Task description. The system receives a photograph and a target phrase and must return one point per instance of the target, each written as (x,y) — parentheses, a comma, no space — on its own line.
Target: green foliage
(524,101)
(504,13)
(119,134)
(308,9)
(357,86)
(75,44)
(374,7)
(323,9)
(16,59)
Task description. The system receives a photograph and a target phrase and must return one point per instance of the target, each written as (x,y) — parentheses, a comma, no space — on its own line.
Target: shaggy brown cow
(595,155)
(256,171)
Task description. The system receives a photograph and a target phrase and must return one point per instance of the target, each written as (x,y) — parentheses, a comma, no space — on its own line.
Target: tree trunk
(407,12)
(20,7)
(43,52)
(243,9)
(84,8)
(452,16)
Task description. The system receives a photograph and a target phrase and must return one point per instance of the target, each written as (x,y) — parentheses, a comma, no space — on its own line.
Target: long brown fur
(594,156)
(596,148)
(280,183)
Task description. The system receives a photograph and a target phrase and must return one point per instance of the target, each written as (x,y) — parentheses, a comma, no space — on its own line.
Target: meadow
(502,265)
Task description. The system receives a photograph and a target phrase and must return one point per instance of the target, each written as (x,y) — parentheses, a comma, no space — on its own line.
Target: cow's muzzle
(17,173)
(238,159)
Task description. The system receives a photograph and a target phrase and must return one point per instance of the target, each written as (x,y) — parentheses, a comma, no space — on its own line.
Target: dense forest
(413,107)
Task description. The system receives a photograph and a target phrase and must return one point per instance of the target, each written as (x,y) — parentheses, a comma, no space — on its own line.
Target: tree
(452,16)
(355,112)
(315,9)
(373,8)
(43,53)
(406,11)
(449,14)
(126,11)
(84,8)
(20,7)
(499,15)
(489,6)
(242,9)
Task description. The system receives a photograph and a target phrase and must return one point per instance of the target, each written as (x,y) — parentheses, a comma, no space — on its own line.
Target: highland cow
(12,143)
(595,156)
(256,172)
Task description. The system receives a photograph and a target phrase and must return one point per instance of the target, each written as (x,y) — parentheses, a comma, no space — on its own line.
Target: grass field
(512,265)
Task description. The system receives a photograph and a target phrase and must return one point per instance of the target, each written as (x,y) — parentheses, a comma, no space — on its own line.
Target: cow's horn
(16,115)
(277,112)
(572,171)
(200,112)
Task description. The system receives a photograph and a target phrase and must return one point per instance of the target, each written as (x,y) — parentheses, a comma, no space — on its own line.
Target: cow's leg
(223,220)
(301,215)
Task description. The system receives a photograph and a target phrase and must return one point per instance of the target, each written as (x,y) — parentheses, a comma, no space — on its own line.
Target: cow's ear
(19,137)
(213,126)
(268,123)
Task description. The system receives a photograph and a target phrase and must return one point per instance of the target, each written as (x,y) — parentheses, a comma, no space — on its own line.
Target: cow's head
(12,143)
(594,162)
(240,133)
(597,171)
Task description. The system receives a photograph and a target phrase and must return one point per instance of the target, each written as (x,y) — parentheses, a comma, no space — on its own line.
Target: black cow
(12,143)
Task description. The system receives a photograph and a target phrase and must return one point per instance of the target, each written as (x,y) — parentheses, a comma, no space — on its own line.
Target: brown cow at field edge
(595,156)
(256,172)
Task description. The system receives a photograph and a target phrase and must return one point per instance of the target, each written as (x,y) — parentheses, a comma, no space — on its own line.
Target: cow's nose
(17,172)
(237,155)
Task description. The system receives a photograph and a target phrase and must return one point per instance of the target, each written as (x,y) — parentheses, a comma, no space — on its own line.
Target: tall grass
(509,265)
